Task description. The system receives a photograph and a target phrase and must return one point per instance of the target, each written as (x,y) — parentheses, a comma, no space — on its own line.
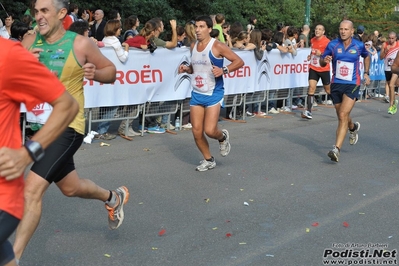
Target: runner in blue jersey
(344,54)
(208,91)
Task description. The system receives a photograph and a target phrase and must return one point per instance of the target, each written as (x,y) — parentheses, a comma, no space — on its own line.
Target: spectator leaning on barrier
(241,42)
(290,43)
(130,25)
(112,31)
(144,40)
(260,47)
(164,44)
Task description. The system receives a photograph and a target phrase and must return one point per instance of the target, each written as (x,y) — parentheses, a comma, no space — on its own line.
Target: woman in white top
(112,31)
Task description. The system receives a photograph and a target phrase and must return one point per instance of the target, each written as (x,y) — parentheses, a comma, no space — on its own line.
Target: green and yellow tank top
(60,58)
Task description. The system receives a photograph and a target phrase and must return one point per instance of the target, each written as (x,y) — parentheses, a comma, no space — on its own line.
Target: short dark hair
(180,30)
(79,27)
(251,19)
(206,19)
(18,30)
(72,7)
(291,31)
(214,33)
(113,14)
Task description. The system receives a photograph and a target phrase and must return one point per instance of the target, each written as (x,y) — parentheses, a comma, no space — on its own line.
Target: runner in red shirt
(32,86)
(316,72)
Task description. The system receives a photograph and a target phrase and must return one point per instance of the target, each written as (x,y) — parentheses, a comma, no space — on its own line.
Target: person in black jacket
(97,29)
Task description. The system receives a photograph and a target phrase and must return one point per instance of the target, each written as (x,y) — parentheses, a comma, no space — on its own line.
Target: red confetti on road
(345,224)
(315,224)
(162,232)
(228,235)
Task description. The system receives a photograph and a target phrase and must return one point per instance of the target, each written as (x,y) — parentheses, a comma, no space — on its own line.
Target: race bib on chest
(344,70)
(314,61)
(199,82)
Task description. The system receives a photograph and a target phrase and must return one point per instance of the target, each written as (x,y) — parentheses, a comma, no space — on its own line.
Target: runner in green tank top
(71,57)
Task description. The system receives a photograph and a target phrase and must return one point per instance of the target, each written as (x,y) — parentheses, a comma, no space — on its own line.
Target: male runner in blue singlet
(344,53)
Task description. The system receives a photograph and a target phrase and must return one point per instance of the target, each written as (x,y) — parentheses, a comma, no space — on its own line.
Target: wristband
(35,150)
(225,70)
(366,72)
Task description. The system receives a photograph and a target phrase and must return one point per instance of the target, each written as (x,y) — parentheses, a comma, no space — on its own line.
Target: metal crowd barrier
(159,109)
(149,109)
(252,98)
(128,112)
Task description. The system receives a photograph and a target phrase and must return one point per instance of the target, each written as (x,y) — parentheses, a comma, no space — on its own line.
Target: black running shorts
(324,76)
(58,158)
(388,75)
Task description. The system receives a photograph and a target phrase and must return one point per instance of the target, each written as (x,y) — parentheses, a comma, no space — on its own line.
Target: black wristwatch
(366,72)
(225,70)
(35,150)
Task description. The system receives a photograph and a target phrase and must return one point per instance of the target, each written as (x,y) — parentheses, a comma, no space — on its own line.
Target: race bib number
(199,82)
(314,60)
(344,70)
(39,114)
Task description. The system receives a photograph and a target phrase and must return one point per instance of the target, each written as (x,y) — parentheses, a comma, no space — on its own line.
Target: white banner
(244,79)
(153,77)
(288,71)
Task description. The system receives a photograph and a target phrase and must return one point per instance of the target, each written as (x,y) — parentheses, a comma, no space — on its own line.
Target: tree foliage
(373,14)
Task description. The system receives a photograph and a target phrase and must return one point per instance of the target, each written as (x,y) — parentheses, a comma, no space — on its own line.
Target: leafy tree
(373,14)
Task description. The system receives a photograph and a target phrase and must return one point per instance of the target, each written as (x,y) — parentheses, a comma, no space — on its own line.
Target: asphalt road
(300,203)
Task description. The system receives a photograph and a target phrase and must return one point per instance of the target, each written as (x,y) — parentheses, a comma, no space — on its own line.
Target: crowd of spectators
(124,33)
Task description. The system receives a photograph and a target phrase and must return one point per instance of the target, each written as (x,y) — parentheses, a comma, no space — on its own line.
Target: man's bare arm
(96,66)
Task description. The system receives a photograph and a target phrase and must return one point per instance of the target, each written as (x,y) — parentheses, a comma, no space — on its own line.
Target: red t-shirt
(136,41)
(23,79)
(319,44)
(66,22)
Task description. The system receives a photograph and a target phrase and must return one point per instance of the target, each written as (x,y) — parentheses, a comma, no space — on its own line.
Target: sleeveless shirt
(60,58)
